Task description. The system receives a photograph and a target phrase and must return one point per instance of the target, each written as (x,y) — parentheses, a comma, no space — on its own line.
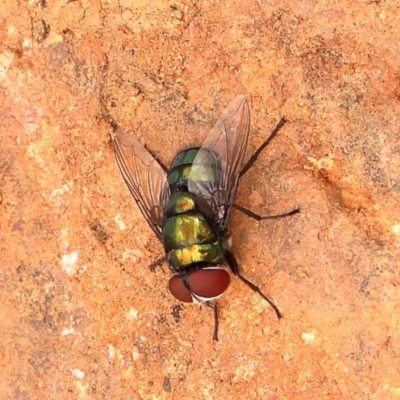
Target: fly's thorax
(185,157)
(203,170)
(180,168)
(207,253)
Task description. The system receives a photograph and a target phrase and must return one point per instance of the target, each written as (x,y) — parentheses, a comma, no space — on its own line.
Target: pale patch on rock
(308,337)
(77,373)
(120,223)
(132,314)
(67,331)
(68,262)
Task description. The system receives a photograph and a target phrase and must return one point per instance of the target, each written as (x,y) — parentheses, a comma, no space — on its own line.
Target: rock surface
(81,315)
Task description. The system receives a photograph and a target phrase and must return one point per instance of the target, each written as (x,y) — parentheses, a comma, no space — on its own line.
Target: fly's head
(203,285)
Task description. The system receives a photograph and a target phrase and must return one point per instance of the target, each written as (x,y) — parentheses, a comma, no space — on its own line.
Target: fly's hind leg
(233,264)
(250,163)
(257,217)
(254,157)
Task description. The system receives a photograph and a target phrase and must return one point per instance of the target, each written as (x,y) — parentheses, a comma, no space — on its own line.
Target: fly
(188,205)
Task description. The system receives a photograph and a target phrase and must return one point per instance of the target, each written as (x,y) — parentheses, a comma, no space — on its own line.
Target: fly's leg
(233,264)
(211,304)
(157,263)
(216,322)
(157,159)
(216,319)
(114,125)
(254,157)
(259,217)
(249,164)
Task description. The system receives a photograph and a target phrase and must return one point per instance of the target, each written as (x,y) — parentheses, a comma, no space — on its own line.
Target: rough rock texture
(81,315)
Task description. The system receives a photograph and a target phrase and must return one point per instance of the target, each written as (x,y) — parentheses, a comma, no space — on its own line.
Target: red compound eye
(179,290)
(209,283)
(204,283)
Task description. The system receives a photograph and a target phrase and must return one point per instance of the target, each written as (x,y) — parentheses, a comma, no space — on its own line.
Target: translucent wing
(145,178)
(221,157)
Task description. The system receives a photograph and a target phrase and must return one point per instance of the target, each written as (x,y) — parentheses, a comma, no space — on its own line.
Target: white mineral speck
(308,337)
(67,331)
(68,262)
(111,351)
(77,373)
(119,222)
(27,42)
(135,355)
(396,229)
(132,314)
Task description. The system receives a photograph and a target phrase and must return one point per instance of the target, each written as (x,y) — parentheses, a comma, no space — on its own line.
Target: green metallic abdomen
(180,203)
(188,237)
(210,253)
(185,230)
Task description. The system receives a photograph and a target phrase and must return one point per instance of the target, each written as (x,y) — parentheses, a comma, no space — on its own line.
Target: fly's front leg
(233,264)
(157,159)
(157,263)
(214,306)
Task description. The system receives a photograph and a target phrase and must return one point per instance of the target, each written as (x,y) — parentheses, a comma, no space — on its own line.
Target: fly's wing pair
(147,180)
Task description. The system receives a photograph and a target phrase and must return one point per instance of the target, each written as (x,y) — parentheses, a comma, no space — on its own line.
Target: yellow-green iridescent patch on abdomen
(185,230)
(211,253)
(180,203)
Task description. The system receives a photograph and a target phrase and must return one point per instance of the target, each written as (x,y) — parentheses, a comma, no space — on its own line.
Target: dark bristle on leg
(231,260)
(216,319)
